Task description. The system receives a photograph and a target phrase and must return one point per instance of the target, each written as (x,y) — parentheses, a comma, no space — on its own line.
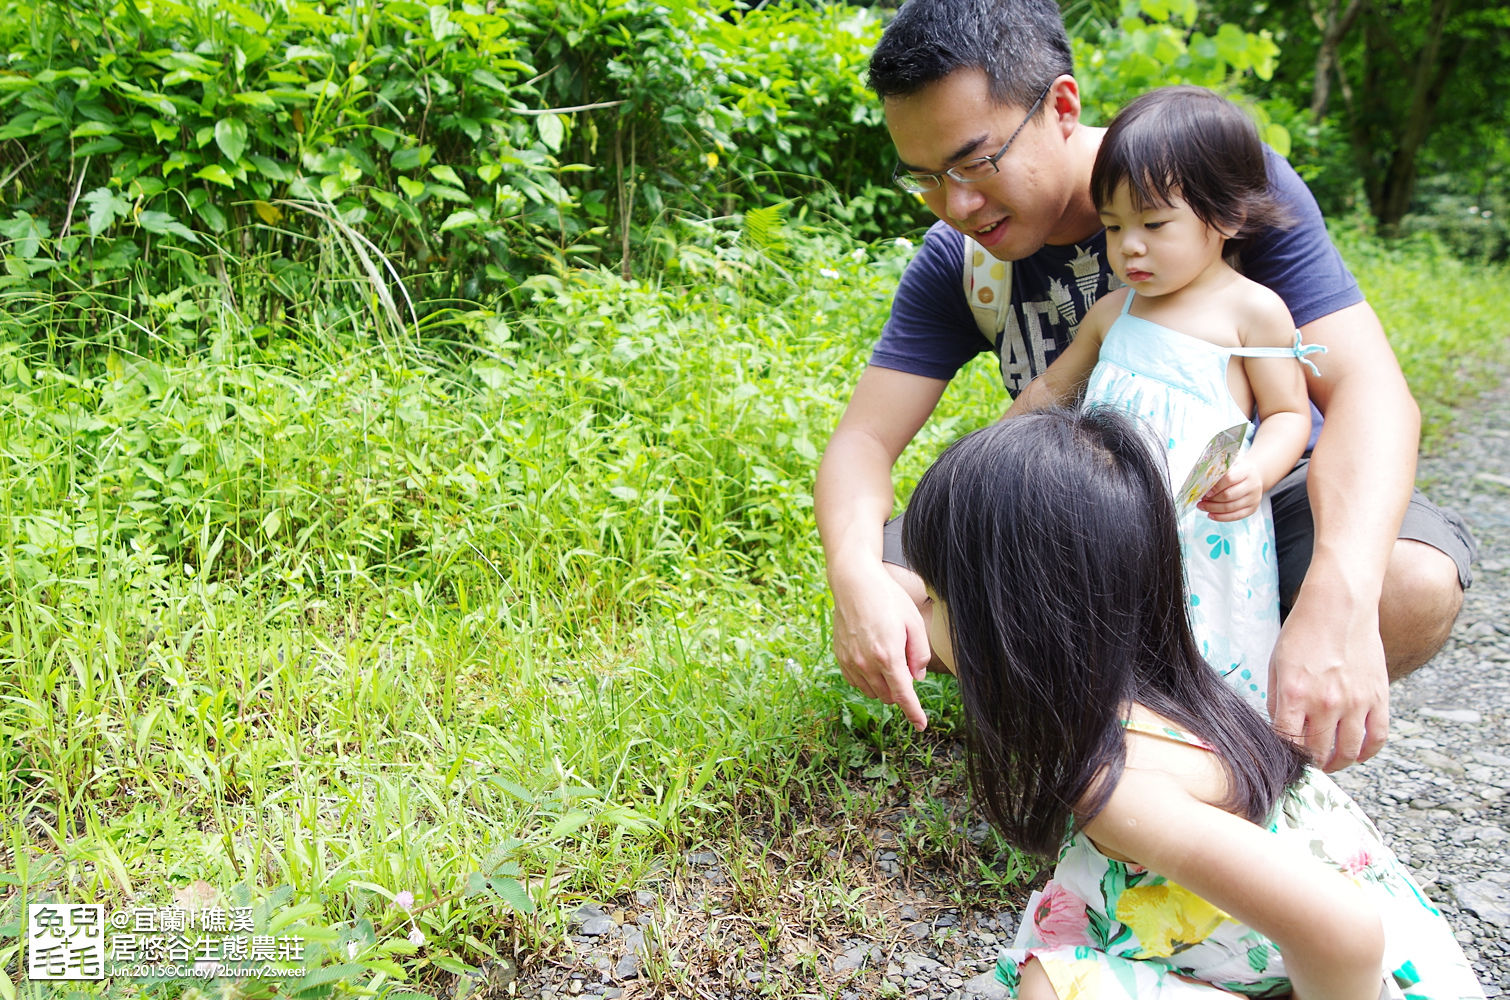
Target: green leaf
(447,193)
(441,25)
(552,131)
(269,168)
(162,222)
(212,216)
(91,129)
(412,158)
(487,79)
(215,172)
(255,99)
(105,207)
(411,187)
(455,966)
(104,144)
(513,893)
(446,175)
(230,136)
(460,220)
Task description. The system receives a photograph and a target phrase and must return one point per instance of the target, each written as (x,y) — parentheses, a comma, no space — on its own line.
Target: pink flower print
(1060,917)
(1358,862)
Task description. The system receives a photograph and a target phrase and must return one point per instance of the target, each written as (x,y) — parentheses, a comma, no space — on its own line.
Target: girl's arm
(1284,411)
(1328,931)
(1063,382)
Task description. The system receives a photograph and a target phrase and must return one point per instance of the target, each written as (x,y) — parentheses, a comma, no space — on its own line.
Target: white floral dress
(1107,930)
(1176,385)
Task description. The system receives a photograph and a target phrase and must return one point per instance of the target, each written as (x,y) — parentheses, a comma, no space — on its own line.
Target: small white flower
(404,900)
(416,936)
(903,242)
(352,948)
(828,272)
(1473,210)
(857,254)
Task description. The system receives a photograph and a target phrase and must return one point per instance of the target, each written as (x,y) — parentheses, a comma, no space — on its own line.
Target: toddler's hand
(1235,495)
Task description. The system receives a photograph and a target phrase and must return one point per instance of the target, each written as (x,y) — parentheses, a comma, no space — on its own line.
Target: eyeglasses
(971,171)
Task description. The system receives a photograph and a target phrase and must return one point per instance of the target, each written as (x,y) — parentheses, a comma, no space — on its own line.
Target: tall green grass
(505,612)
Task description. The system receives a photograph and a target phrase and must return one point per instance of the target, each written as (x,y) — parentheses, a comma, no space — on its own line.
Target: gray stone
(598,926)
(586,912)
(986,986)
(856,956)
(628,967)
(912,965)
(1485,899)
(1439,761)
(1464,715)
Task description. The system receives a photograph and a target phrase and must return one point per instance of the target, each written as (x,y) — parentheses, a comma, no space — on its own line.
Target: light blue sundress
(1176,385)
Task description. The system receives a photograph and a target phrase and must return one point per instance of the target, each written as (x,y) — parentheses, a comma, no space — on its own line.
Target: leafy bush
(1154,43)
(459,147)
(1475,227)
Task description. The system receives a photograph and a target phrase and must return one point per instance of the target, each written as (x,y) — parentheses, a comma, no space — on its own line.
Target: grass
(509,612)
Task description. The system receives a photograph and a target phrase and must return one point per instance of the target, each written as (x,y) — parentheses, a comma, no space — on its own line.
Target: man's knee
(1419,602)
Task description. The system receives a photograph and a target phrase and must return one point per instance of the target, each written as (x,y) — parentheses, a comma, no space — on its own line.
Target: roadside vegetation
(407,523)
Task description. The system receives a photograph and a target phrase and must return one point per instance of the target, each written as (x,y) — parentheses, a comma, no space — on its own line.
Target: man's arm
(1328,684)
(880,638)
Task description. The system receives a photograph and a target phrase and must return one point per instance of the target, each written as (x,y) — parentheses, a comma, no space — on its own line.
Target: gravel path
(1439,791)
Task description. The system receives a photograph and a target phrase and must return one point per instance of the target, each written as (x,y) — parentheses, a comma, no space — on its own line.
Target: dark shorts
(1295,534)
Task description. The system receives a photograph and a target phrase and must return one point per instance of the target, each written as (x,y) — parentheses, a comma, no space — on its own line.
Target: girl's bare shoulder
(1263,319)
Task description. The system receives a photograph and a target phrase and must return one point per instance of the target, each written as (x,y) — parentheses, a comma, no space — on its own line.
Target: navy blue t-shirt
(932,331)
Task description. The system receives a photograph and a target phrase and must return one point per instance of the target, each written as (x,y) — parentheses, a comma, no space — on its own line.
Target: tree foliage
(1414,89)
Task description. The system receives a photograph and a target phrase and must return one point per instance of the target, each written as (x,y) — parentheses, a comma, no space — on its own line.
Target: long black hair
(1194,143)
(1051,540)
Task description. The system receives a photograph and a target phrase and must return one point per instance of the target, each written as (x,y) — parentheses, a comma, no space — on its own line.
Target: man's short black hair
(1020,45)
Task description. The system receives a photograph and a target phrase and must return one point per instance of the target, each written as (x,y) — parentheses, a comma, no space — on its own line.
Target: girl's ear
(1237,227)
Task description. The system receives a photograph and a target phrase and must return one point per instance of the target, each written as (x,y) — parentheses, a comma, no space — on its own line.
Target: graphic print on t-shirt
(1051,293)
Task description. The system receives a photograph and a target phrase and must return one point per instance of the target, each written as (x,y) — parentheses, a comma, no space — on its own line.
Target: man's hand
(1328,687)
(881,641)
(1236,495)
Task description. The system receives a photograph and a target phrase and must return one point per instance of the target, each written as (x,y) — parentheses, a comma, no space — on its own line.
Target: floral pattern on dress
(1149,937)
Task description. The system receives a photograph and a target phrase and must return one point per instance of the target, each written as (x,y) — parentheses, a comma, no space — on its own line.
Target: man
(984,113)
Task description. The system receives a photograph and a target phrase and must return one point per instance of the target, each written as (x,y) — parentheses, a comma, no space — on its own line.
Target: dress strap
(1127,302)
(1300,352)
(1166,733)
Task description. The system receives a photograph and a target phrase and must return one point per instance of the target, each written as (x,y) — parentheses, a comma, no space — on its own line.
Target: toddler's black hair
(1194,143)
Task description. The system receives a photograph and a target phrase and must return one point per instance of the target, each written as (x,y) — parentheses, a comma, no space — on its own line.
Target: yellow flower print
(1167,917)
(1073,979)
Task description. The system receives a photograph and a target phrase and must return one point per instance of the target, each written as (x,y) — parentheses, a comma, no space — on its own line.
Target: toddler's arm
(1063,383)
(1284,411)
(1325,925)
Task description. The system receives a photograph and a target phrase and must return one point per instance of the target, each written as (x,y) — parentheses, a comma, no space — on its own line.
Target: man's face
(1012,212)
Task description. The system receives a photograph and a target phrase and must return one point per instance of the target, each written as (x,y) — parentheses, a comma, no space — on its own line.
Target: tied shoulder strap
(1165,733)
(1299,351)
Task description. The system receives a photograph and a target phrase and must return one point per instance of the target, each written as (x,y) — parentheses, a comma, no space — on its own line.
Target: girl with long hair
(1199,854)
